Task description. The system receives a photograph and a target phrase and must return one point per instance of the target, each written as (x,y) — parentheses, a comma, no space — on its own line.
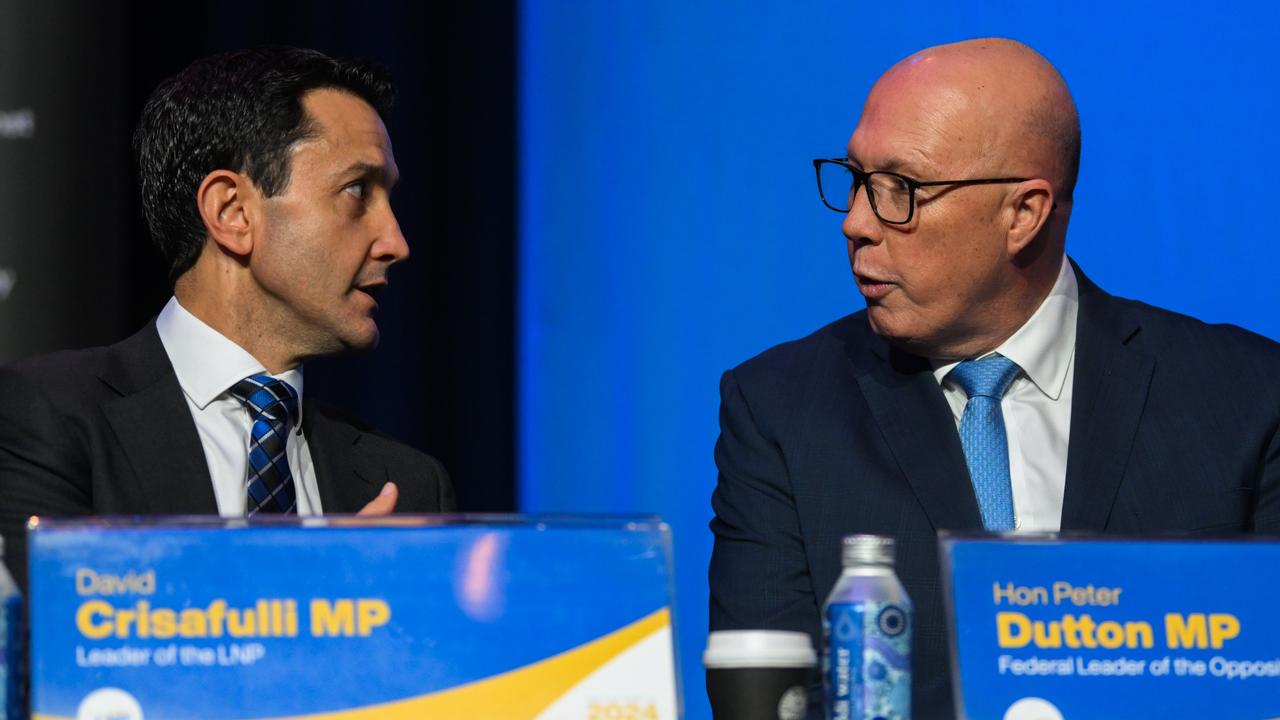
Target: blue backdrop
(670,227)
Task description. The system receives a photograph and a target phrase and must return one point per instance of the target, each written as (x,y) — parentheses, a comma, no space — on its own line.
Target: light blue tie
(982,434)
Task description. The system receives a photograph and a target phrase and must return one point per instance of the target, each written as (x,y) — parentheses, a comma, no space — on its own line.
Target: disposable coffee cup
(758,674)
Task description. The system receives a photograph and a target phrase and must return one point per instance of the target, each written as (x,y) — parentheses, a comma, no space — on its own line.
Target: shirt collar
(206,362)
(1044,345)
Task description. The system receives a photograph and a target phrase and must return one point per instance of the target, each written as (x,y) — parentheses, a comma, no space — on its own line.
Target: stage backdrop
(670,227)
(63,212)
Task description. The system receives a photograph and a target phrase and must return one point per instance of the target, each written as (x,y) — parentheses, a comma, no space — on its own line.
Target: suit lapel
(154,427)
(916,422)
(347,476)
(1110,393)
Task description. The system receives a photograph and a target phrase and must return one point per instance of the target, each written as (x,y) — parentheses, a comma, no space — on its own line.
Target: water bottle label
(869,666)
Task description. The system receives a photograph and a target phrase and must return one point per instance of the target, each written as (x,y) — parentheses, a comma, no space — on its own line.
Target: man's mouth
(872,287)
(373,290)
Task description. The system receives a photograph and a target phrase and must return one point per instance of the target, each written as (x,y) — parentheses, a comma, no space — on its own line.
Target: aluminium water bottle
(867,622)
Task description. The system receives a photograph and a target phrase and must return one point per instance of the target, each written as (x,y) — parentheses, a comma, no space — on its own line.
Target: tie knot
(268,397)
(990,377)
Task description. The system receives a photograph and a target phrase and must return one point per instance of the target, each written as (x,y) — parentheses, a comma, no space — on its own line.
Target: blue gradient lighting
(670,226)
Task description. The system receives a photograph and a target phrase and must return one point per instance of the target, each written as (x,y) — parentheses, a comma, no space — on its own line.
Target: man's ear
(224,200)
(1032,203)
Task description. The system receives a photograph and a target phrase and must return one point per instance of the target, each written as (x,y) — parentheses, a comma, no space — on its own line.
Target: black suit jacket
(1173,428)
(107,431)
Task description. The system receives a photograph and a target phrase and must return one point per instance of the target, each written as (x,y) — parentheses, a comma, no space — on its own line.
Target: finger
(384,503)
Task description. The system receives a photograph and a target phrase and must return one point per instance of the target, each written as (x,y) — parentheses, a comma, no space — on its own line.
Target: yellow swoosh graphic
(517,694)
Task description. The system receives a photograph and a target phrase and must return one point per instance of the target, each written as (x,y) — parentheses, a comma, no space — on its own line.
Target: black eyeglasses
(892,196)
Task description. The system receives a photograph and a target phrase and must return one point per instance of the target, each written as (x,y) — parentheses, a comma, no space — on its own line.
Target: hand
(384,503)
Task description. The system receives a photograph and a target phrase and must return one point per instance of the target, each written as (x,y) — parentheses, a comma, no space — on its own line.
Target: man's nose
(390,245)
(860,223)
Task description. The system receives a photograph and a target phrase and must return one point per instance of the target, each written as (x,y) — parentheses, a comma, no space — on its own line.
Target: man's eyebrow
(372,171)
(893,165)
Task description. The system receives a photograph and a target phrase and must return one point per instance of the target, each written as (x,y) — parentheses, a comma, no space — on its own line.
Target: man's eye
(356,188)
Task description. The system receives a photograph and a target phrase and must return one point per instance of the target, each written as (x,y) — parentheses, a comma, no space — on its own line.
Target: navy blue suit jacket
(1174,427)
(106,431)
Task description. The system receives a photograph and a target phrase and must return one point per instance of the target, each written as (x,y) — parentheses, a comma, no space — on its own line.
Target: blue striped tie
(272,405)
(983,436)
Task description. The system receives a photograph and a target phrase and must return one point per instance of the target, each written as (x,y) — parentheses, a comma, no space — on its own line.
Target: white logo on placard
(17,124)
(8,278)
(109,704)
(1032,709)
(792,704)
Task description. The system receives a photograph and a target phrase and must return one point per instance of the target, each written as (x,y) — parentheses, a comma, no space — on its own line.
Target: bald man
(1091,413)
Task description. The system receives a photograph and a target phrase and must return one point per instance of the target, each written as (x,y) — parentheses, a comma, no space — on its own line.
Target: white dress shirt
(1037,405)
(208,365)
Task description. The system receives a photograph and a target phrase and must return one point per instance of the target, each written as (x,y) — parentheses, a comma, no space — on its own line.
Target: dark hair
(239,111)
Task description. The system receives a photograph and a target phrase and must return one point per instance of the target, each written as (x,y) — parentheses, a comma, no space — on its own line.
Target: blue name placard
(343,618)
(1050,628)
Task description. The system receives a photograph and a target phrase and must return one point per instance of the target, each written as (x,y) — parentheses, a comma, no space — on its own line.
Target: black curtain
(443,378)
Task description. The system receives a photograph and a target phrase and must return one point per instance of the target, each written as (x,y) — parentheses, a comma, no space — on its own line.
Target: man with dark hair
(988,384)
(265,178)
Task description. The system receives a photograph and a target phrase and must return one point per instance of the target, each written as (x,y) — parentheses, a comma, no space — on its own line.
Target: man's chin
(362,342)
(897,336)
(355,337)
(882,324)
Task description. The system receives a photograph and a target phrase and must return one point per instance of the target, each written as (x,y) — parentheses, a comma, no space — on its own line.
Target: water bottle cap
(758,649)
(868,550)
